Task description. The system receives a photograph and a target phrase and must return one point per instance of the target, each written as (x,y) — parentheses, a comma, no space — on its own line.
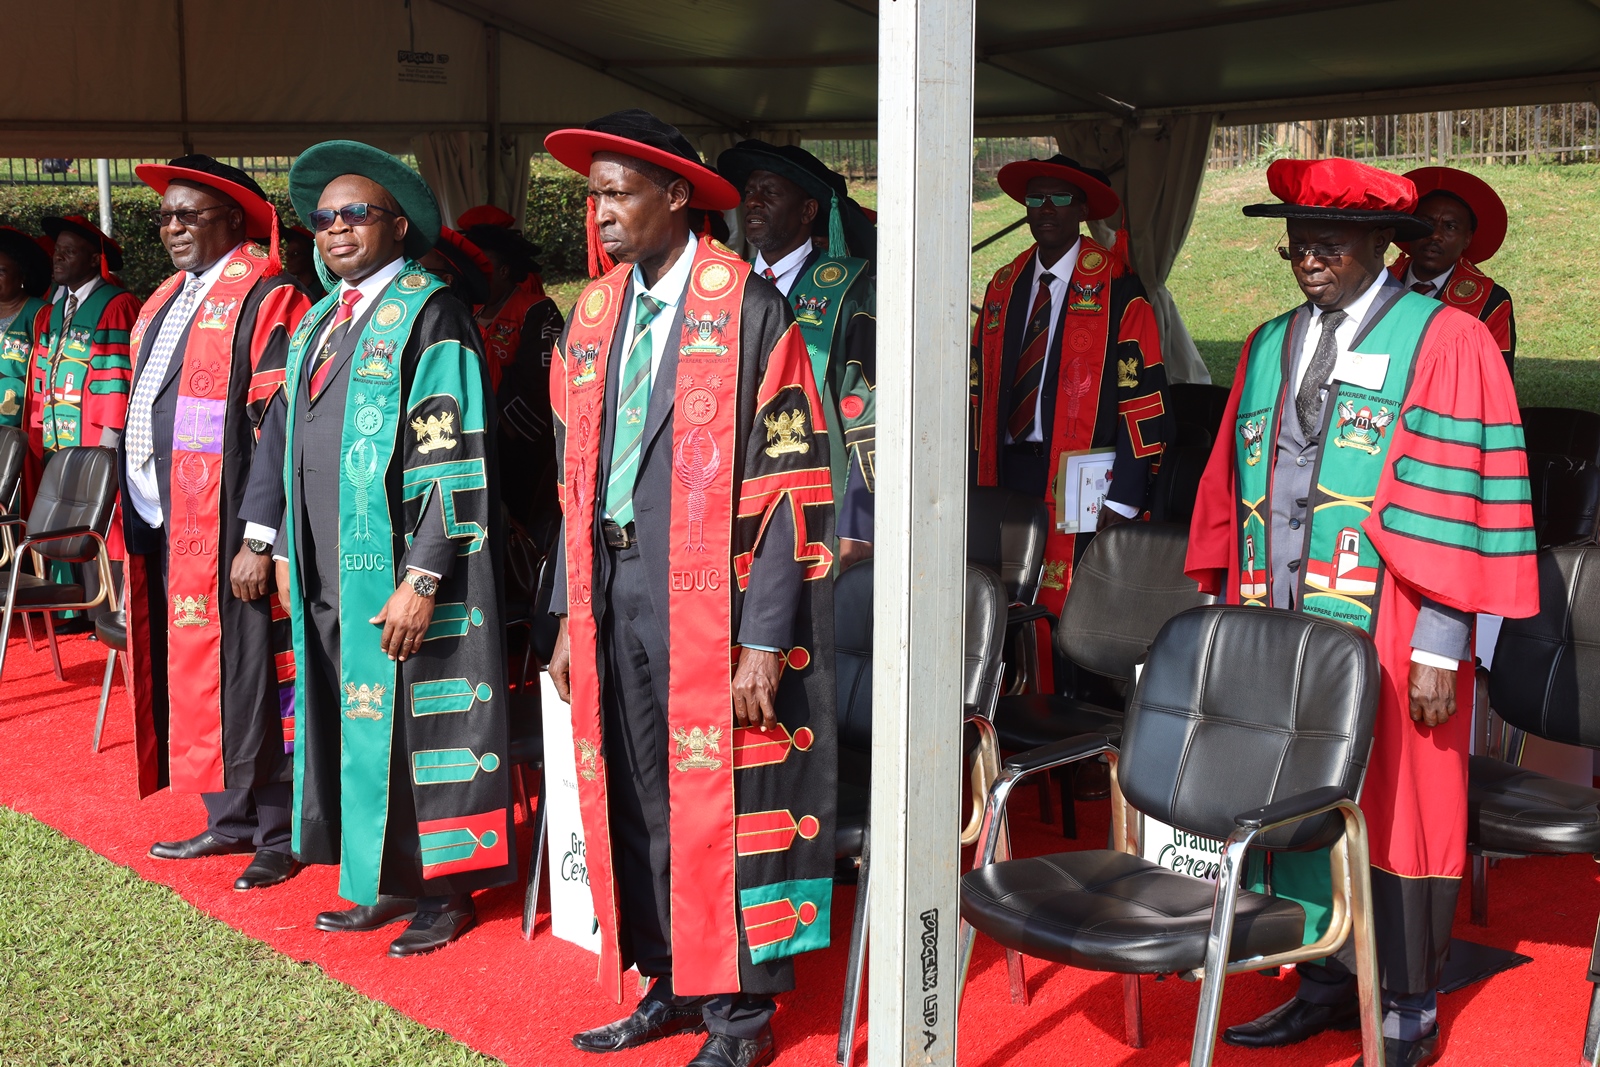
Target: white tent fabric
(455,168)
(1156,168)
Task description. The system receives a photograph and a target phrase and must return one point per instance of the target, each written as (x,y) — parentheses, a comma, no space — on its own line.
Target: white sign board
(1082,482)
(1179,850)
(571,905)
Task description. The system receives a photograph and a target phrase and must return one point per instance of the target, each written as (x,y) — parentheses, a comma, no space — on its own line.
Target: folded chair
(981,672)
(1545,681)
(1248,725)
(66,524)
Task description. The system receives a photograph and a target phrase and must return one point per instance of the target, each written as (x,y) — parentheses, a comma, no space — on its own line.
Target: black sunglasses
(352,214)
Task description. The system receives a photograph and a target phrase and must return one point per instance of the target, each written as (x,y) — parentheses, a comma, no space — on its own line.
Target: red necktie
(1029,375)
(341,323)
(1424,288)
(768,275)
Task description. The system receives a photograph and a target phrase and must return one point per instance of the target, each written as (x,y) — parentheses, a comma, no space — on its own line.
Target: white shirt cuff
(1127,511)
(431,574)
(1433,659)
(254,531)
(762,648)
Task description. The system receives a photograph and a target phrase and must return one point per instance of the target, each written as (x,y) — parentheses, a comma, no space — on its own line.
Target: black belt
(618,536)
(1026,448)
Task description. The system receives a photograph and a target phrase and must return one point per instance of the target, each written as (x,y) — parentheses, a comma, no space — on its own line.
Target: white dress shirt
(144,491)
(668,289)
(1060,274)
(787,270)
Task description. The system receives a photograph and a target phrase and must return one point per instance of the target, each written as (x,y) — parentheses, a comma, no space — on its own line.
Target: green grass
(1228,279)
(100,967)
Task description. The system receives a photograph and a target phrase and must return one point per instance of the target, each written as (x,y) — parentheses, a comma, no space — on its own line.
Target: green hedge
(555,222)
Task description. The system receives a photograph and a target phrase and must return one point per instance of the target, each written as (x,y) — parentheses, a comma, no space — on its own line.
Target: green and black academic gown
(402,770)
(16,344)
(835,304)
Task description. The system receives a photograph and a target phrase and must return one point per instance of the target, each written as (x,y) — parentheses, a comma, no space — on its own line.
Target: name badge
(1365,370)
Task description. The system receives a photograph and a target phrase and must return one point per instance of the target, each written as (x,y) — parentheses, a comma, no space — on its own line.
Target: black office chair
(1569,432)
(981,675)
(13,456)
(1546,682)
(66,524)
(1177,483)
(1197,404)
(1565,496)
(1006,532)
(1128,584)
(1246,725)
(112,630)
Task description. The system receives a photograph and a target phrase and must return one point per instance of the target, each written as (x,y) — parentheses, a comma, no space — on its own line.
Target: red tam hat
(1342,190)
(1101,201)
(1488,210)
(637,133)
(485,215)
(467,260)
(260,217)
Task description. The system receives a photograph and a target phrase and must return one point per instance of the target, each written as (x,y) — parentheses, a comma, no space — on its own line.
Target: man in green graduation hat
(816,245)
(391,549)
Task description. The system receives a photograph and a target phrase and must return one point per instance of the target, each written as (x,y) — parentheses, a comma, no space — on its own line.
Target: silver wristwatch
(423,585)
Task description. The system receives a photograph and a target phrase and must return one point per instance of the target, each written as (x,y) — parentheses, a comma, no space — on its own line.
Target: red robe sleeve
(1214,528)
(1452,516)
(105,394)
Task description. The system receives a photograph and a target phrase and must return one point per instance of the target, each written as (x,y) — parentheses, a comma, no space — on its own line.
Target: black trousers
(634,646)
(259,815)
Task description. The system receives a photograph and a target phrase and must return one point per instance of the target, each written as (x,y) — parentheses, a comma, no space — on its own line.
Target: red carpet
(521,1001)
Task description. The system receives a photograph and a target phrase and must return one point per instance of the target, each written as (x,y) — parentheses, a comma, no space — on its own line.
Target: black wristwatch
(258,546)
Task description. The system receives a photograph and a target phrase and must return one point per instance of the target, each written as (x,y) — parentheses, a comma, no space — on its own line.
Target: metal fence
(859,159)
(82,171)
(1544,133)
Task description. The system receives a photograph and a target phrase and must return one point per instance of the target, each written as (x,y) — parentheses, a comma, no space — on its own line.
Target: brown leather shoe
(364,917)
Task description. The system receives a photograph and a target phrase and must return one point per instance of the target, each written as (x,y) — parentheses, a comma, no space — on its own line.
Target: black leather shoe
(433,930)
(720,1050)
(268,868)
(364,917)
(1397,1053)
(1293,1022)
(652,1020)
(205,844)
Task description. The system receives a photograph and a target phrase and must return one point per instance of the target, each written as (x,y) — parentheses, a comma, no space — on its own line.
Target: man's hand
(755,685)
(249,574)
(561,664)
(1433,694)
(404,620)
(280,569)
(1109,517)
(853,552)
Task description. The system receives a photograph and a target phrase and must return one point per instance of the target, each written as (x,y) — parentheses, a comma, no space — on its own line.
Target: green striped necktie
(633,402)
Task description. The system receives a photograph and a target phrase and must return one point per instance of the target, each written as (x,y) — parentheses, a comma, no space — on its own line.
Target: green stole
(15,344)
(819,302)
(369,682)
(1341,574)
(66,375)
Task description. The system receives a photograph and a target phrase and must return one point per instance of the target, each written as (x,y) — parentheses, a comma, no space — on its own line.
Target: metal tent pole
(925,101)
(102,169)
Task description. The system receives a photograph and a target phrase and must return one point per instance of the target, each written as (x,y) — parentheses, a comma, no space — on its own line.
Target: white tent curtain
(1156,167)
(455,168)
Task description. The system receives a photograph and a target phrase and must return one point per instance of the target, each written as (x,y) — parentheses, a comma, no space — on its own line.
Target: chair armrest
(1292,809)
(1018,614)
(1058,754)
(60,535)
(12,520)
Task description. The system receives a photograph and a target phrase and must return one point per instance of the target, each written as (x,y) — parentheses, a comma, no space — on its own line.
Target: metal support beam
(925,97)
(1227,16)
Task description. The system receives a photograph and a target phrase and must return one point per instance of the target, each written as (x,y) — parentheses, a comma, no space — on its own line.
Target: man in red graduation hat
(693,456)
(204,624)
(1371,470)
(1469,226)
(1066,357)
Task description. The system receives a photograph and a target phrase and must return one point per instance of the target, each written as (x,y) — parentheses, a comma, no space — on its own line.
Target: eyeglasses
(1058,199)
(1326,253)
(190,217)
(352,214)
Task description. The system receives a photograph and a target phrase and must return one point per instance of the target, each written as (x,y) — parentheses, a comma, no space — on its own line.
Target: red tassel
(705,224)
(1119,253)
(599,262)
(274,262)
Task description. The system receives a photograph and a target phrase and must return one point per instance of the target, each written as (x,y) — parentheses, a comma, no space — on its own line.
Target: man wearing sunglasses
(1065,358)
(391,548)
(1370,470)
(209,349)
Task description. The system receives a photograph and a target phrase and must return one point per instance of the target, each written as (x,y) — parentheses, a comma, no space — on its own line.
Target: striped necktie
(768,275)
(633,401)
(1423,288)
(141,436)
(1029,374)
(66,320)
(342,318)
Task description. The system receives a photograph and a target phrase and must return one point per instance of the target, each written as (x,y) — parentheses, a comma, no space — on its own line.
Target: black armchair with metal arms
(67,523)
(1246,725)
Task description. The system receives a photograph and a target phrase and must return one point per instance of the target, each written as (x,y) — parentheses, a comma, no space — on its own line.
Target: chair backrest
(852,647)
(982,668)
(1199,405)
(1128,584)
(1546,676)
(13,447)
(1565,494)
(1567,432)
(1006,532)
(1177,483)
(78,488)
(1239,707)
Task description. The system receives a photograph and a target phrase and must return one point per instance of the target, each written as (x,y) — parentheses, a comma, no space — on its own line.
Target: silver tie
(141,439)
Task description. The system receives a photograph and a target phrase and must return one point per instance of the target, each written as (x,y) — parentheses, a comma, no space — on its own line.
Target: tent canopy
(142,77)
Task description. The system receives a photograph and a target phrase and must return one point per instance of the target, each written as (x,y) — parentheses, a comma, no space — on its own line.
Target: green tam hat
(322,163)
